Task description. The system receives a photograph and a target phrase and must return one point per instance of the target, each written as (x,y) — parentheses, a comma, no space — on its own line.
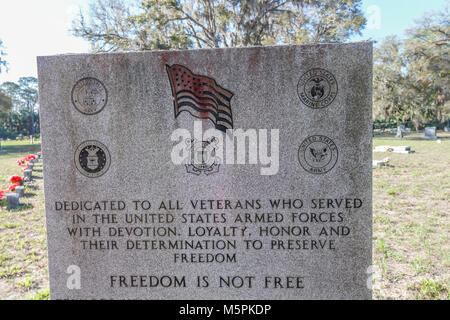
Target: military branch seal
(202,157)
(317,154)
(92,159)
(317,88)
(89,96)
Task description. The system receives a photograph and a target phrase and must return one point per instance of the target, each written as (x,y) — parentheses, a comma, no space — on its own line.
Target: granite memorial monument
(239,173)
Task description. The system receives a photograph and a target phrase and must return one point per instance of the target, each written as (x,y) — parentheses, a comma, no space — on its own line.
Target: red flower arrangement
(26,159)
(29,157)
(15,179)
(12,187)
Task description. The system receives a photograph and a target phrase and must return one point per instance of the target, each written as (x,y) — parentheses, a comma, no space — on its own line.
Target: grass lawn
(23,242)
(411,220)
(411,224)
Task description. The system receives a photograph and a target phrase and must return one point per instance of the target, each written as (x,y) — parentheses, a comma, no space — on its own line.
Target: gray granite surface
(107,122)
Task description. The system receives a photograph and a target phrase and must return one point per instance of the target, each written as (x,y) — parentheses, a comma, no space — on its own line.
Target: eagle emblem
(317,90)
(318,154)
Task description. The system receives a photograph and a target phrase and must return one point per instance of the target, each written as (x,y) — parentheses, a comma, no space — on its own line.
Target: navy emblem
(317,88)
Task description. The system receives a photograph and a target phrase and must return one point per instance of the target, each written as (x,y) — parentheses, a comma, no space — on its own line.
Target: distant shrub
(6,134)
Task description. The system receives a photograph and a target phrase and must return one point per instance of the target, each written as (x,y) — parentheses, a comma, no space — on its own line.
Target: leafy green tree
(29,94)
(411,77)
(427,51)
(24,93)
(114,25)
(3,63)
(389,78)
(23,117)
(5,101)
(5,106)
(12,90)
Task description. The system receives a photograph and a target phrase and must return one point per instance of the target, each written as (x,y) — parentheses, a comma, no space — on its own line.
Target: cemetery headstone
(13,200)
(240,173)
(399,133)
(20,190)
(430,133)
(378,164)
(396,149)
(28,175)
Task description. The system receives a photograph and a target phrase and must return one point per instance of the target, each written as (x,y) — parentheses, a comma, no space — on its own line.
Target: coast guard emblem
(202,157)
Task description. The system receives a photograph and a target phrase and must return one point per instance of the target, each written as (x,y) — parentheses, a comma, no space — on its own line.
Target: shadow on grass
(385,167)
(420,139)
(406,137)
(29,194)
(23,206)
(20,149)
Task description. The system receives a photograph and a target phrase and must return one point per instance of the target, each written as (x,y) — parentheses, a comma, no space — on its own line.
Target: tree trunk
(30,107)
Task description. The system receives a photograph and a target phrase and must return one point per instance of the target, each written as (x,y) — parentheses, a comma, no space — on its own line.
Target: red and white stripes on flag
(201,96)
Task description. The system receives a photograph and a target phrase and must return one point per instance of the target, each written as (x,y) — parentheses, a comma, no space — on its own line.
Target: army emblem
(317,88)
(202,157)
(92,159)
(317,154)
(89,96)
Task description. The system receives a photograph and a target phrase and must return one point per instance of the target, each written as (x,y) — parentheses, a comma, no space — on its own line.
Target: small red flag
(201,96)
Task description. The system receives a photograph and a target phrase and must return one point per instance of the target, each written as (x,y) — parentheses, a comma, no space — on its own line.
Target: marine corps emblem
(317,88)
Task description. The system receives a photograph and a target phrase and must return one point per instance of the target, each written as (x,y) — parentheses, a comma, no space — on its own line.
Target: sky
(31,28)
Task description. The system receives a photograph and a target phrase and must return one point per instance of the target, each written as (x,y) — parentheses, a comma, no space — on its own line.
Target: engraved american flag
(201,96)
